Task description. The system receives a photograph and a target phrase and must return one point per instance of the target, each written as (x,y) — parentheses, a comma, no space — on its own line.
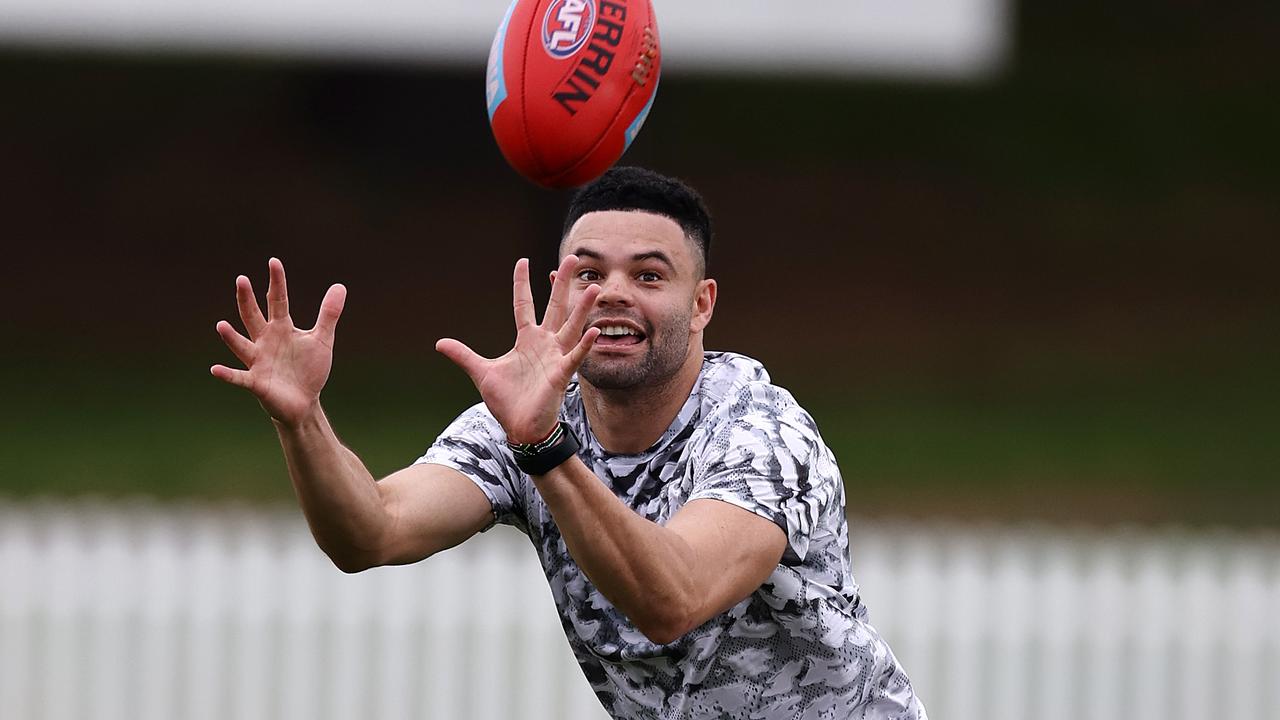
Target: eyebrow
(638,257)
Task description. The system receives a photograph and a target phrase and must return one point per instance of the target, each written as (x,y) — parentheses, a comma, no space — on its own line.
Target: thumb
(464,357)
(582,349)
(330,310)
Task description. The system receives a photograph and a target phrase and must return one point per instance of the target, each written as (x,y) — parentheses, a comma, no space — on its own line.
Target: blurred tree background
(1050,294)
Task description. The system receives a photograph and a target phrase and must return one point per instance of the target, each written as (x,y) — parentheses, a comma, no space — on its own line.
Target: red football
(570,82)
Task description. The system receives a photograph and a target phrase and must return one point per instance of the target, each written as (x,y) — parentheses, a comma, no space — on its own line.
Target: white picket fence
(142,611)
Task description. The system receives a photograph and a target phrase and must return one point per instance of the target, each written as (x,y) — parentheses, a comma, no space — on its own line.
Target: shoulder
(475,445)
(757,448)
(476,419)
(745,414)
(724,374)
(475,428)
(736,387)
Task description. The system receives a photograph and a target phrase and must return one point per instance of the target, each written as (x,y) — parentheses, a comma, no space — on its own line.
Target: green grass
(177,432)
(1153,446)
(1093,459)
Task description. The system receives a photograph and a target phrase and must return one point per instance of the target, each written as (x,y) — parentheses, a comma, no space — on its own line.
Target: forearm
(338,495)
(644,569)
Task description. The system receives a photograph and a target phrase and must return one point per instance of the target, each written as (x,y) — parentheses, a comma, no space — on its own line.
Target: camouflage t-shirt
(798,647)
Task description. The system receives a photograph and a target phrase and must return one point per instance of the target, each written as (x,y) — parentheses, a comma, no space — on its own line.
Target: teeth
(616,331)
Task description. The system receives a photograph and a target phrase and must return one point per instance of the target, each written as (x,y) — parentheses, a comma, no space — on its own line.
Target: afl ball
(570,83)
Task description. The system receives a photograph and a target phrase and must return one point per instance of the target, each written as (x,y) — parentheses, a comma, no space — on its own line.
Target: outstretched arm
(665,579)
(357,521)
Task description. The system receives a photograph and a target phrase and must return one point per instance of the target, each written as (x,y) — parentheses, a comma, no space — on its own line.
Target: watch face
(549,454)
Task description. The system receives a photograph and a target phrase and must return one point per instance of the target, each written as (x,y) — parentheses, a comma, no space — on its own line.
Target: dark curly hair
(634,188)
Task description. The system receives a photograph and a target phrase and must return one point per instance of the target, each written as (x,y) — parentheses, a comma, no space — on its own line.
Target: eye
(588,275)
(649,276)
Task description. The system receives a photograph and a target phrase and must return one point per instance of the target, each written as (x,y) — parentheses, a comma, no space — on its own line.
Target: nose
(614,291)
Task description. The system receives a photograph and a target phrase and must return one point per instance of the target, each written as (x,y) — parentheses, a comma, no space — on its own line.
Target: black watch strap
(541,458)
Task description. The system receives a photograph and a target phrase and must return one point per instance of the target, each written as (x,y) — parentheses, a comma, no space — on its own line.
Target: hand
(287,367)
(525,388)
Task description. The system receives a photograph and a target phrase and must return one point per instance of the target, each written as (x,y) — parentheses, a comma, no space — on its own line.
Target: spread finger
(522,295)
(277,291)
(239,344)
(250,312)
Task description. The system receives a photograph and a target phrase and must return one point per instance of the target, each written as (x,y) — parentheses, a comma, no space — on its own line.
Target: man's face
(653,299)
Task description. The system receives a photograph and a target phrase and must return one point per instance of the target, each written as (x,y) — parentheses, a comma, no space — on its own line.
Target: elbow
(667,622)
(351,567)
(351,564)
(665,633)
(354,560)
(351,560)
(352,553)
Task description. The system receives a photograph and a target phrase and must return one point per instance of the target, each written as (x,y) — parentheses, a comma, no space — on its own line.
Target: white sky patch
(956,39)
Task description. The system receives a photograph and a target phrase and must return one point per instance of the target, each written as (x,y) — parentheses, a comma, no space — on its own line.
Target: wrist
(544,456)
(533,438)
(310,419)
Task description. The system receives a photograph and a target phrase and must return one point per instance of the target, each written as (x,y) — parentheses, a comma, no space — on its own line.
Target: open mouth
(618,336)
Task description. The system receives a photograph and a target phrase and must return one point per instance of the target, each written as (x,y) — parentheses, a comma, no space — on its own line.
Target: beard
(667,351)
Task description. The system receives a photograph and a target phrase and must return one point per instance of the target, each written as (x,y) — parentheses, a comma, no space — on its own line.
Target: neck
(631,421)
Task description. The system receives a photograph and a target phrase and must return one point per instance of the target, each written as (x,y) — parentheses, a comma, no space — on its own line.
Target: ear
(553,277)
(704,305)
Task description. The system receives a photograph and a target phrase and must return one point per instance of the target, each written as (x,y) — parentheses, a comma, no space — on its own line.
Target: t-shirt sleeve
(475,445)
(764,454)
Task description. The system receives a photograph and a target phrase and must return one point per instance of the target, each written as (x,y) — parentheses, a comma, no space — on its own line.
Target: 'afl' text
(597,59)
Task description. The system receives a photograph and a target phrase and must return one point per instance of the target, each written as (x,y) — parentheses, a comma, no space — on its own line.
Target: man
(686,512)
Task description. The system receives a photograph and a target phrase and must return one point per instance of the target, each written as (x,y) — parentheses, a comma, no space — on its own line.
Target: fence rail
(137,611)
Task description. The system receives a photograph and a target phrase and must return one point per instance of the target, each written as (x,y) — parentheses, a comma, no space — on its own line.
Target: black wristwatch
(542,457)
